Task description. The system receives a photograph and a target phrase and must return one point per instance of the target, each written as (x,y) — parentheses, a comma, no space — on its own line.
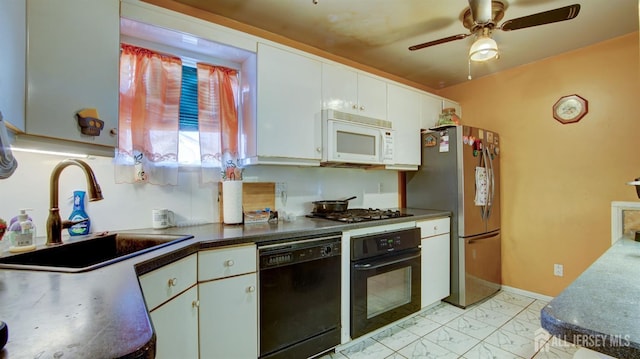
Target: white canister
(231,202)
(162,218)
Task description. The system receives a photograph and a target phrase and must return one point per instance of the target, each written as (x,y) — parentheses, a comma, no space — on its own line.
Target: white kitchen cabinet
(228,302)
(176,326)
(72,64)
(435,260)
(430,111)
(13,26)
(346,90)
(171,295)
(287,129)
(404,108)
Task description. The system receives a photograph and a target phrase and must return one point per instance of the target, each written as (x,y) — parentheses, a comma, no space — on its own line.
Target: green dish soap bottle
(79,214)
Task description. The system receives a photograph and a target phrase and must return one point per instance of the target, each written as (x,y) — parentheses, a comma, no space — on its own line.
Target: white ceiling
(378,33)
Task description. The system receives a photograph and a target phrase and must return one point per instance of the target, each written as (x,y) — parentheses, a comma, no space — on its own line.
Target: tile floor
(505,326)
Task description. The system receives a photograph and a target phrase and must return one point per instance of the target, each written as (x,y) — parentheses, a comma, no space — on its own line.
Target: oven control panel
(371,245)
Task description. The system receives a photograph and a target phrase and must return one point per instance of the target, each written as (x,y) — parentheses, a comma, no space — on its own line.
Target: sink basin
(90,253)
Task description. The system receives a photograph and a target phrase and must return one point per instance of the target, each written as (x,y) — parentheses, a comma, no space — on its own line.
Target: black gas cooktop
(355,215)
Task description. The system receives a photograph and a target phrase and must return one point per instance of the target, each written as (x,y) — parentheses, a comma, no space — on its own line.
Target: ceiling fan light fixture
(483,49)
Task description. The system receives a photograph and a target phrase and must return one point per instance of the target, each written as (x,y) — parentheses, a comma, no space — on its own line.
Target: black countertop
(600,310)
(102,313)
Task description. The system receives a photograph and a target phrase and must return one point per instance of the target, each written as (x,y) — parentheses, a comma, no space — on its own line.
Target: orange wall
(558,180)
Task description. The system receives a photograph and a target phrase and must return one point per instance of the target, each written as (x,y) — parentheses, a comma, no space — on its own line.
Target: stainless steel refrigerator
(460,172)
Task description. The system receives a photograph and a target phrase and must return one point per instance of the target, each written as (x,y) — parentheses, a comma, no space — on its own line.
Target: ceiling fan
(482,17)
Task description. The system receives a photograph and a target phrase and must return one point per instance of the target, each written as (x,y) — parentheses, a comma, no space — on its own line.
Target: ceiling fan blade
(438,42)
(542,18)
(480,11)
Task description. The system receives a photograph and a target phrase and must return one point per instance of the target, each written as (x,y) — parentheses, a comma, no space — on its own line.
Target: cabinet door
(289,104)
(430,112)
(72,64)
(339,88)
(435,268)
(372,97)
(176,326)
(404,114)
(229,317)
(13,26)
(164,283)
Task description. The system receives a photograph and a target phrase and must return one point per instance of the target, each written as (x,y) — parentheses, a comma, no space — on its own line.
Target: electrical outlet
(558,270)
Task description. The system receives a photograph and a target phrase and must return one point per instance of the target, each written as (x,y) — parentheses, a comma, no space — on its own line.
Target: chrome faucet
(54,223)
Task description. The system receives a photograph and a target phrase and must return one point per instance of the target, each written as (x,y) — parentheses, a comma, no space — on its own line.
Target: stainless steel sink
(90,253)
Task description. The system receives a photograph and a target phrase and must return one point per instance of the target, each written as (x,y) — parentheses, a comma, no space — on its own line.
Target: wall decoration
(570,109)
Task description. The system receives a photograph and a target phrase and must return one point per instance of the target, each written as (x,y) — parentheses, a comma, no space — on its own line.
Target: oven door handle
(383,263)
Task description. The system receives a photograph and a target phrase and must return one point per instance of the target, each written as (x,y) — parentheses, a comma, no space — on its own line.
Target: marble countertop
(600,310)
(102,313)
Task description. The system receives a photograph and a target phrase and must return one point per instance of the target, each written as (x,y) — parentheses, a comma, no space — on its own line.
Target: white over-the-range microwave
(350,138)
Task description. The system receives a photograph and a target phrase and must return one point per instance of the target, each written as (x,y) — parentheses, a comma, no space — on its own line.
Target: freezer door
(472,221)
(482,267)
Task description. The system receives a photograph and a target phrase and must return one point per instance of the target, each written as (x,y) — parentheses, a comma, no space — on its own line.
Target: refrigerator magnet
(430,141)
(444,143)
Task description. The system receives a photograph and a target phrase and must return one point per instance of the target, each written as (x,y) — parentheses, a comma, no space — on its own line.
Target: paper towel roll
(231,202)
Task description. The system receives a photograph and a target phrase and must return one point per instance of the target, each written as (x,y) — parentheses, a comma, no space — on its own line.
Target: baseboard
(527,293)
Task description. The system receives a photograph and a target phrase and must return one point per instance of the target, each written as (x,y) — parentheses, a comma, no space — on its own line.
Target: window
(189,139)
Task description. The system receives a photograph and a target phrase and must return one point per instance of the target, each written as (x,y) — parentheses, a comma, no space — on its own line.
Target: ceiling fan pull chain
(469,77)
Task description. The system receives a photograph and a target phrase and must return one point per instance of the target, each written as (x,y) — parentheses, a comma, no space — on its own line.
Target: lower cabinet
(176,326)
(435,255)
(229,318)
(227,289)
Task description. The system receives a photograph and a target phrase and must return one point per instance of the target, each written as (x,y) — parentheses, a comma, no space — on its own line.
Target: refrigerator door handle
(493,183)
(481,237)
(487,159)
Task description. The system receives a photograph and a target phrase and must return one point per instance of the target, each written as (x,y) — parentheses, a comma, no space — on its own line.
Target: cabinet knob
(251,289)
(173,282)
(355,107)
(195,304)
(318,149)
(113,131)
(229,263)
(361,108)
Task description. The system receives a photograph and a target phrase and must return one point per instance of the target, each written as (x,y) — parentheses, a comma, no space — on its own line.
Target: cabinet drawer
(226,262)
(164,283)
(434,227)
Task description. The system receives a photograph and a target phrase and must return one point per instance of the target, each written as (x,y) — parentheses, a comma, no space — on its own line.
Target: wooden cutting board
(255,196)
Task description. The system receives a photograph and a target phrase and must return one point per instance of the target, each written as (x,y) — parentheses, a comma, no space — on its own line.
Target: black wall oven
(385,279)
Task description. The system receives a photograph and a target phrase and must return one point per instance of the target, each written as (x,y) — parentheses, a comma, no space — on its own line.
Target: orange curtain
(148,123)
(217,117)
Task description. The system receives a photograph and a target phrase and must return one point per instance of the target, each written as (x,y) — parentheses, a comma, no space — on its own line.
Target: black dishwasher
(299,297)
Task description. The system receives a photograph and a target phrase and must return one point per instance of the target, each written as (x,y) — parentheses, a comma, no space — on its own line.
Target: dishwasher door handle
(380,264)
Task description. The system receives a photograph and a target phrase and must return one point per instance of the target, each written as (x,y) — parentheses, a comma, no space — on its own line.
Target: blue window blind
(189,99)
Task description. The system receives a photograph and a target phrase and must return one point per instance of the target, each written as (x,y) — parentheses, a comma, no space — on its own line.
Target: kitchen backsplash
(128,206)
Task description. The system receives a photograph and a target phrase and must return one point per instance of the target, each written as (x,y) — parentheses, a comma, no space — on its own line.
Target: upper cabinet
(347,90)
(72,64)
(12,68)
(431,107)
(404,107)
(286,128)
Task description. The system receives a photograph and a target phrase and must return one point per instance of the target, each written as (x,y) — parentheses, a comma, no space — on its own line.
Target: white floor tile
(420,325)
(512,343)
(452,340)
(537,304)
(513,298)
(488,316)
(522,328)
(426,349)
(395,337)
(530,315)
(501,306)
(367,349)
(487,351)
(472,327)
(443,313)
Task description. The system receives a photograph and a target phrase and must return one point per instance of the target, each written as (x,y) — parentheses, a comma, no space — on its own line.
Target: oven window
(357,143)
(388,290)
